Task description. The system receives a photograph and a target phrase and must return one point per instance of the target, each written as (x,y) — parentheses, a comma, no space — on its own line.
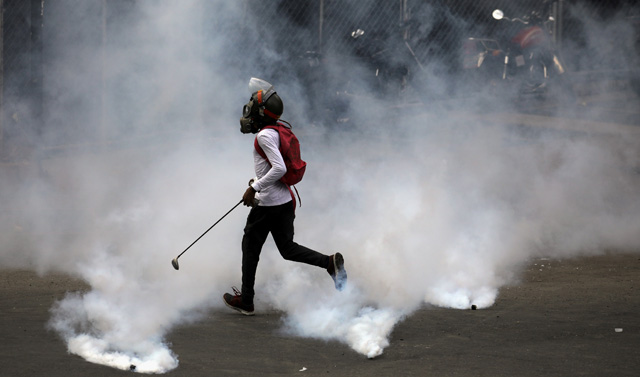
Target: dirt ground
(576,317)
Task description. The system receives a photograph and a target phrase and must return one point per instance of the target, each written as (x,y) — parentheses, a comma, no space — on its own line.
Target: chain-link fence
(401,41)
(434,30)
(417,48)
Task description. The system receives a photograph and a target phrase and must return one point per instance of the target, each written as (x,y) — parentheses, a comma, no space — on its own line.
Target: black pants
(279,221)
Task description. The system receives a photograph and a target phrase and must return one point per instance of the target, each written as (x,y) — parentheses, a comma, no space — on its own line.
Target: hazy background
(137,151)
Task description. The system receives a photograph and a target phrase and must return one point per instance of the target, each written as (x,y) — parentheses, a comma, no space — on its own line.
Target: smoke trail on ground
(136,297)
(451,218)
(437,208)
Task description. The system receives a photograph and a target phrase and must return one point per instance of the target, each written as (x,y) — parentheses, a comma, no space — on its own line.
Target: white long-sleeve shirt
(271,192)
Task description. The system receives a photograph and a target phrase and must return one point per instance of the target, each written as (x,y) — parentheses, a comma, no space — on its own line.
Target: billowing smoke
(437,207)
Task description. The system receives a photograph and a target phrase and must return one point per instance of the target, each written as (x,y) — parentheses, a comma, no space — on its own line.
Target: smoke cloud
(441,206)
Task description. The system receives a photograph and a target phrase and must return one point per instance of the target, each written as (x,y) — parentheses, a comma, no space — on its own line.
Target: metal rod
(202,235)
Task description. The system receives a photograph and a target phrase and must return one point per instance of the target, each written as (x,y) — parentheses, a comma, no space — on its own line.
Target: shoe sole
(341,274)
(239,310)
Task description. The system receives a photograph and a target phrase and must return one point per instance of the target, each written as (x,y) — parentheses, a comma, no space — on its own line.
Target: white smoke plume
(438,208)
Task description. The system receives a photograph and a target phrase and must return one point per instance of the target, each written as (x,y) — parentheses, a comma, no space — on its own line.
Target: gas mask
(248,122)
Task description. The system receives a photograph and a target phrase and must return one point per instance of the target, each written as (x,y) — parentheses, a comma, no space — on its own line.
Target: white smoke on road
(436,208)
(136,296)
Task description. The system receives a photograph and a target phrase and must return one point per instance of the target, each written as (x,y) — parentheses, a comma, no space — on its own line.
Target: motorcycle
(527,59)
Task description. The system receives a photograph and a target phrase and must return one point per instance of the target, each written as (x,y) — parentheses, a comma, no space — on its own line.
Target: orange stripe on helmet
(271,114)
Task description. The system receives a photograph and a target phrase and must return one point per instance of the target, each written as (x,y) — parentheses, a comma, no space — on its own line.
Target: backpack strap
(263,155)
(259,150)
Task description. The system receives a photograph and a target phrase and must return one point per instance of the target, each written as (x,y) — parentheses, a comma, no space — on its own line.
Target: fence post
(1,75)
(404,17)
(558,9)
(320,25)
(36,80)
(103,78)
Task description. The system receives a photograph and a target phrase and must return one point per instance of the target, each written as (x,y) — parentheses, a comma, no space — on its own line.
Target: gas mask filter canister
(247,124)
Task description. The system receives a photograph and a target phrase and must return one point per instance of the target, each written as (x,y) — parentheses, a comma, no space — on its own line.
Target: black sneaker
(337,271)
(235,302)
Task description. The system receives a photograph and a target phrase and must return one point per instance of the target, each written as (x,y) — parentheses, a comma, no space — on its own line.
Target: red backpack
(290,150)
